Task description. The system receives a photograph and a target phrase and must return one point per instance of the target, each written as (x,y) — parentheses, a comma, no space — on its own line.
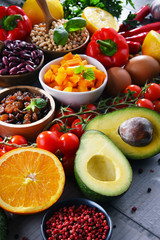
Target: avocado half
(109,124)
(101,169)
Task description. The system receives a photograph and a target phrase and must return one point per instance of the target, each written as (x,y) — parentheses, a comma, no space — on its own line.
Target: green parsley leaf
(89,74)
(36,102)
(79,69)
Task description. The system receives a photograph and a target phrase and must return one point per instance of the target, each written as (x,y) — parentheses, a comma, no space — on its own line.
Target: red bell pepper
(108,47)
(14,23)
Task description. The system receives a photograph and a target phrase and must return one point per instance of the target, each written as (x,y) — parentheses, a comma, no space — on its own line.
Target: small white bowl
(74,99)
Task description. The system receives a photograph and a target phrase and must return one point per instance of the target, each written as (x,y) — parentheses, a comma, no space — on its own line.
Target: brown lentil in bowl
(12,108)
(45,40)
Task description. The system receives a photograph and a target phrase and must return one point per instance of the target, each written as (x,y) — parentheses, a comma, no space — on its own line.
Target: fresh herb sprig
(36,103)
(130,23)
(88,73)
(61,33)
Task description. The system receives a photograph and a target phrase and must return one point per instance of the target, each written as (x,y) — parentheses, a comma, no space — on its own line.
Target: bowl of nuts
(76,218)
(20,63)
(25,110)
(63,36)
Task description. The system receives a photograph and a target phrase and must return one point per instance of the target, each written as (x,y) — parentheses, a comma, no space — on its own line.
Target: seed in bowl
(23,107)
(46,40)
(73,74)
(82,222)
(18,57)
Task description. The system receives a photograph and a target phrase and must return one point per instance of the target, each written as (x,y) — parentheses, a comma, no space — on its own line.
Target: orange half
(31,180)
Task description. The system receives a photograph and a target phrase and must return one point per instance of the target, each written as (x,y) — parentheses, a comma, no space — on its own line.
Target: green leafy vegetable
(74,8)
(79,69)
(60,35)
(75,24)
(89,74)
(36,102)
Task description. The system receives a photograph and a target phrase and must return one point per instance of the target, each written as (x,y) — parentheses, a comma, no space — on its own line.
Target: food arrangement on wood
(93,140)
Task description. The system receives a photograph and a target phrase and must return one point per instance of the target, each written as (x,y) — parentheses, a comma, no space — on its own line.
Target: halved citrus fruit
(98,18)
(151,45)
(31,180)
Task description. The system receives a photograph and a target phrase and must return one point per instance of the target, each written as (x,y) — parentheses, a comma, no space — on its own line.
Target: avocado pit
(137,131)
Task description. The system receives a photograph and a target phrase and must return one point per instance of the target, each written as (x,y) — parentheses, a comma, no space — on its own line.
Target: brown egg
(118,80)
(142,69)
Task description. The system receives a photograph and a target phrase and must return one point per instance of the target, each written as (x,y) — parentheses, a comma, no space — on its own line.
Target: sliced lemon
(151,45)
(98,18)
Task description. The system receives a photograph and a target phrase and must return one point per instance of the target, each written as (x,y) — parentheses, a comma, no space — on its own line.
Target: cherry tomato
(1,140)
(68,164)
(66,113)
(157,106)
(68,143)
(88,108)
(144,102)
(48,140)
(153,92)
(17,139)
(56,128)
(2,152)
(77,127)
(133,88)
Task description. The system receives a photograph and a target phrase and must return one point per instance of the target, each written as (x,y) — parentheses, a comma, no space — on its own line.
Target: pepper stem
(104,44)
(107,46)
(10,22)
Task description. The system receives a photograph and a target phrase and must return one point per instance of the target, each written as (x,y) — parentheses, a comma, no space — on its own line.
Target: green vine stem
(103,106)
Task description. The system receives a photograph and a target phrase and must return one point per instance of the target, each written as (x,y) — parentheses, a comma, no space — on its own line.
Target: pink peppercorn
(82,222)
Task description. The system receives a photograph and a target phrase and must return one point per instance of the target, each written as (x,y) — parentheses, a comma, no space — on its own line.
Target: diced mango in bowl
(73,74)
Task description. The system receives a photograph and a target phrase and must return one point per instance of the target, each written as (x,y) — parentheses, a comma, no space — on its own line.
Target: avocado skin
(88,192)
(3,225)
(92,194)
(108,124)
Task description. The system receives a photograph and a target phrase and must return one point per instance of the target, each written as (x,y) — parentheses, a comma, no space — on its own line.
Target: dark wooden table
(143,224)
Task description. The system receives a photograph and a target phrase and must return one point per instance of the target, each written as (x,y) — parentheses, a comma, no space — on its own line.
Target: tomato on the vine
(1,140)
(68,143)
(78,127)
(133,88)
(153,92)
(88,108)
(56,128)
(48,140)
(157,106)
(68,164)
(2,152)
(68,112)
(16,139)
(144,102)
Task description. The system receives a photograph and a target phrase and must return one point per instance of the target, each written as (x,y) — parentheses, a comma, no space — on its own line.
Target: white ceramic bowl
(74,99)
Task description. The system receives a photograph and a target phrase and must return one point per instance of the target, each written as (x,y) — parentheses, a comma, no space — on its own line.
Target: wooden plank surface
(143,224)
